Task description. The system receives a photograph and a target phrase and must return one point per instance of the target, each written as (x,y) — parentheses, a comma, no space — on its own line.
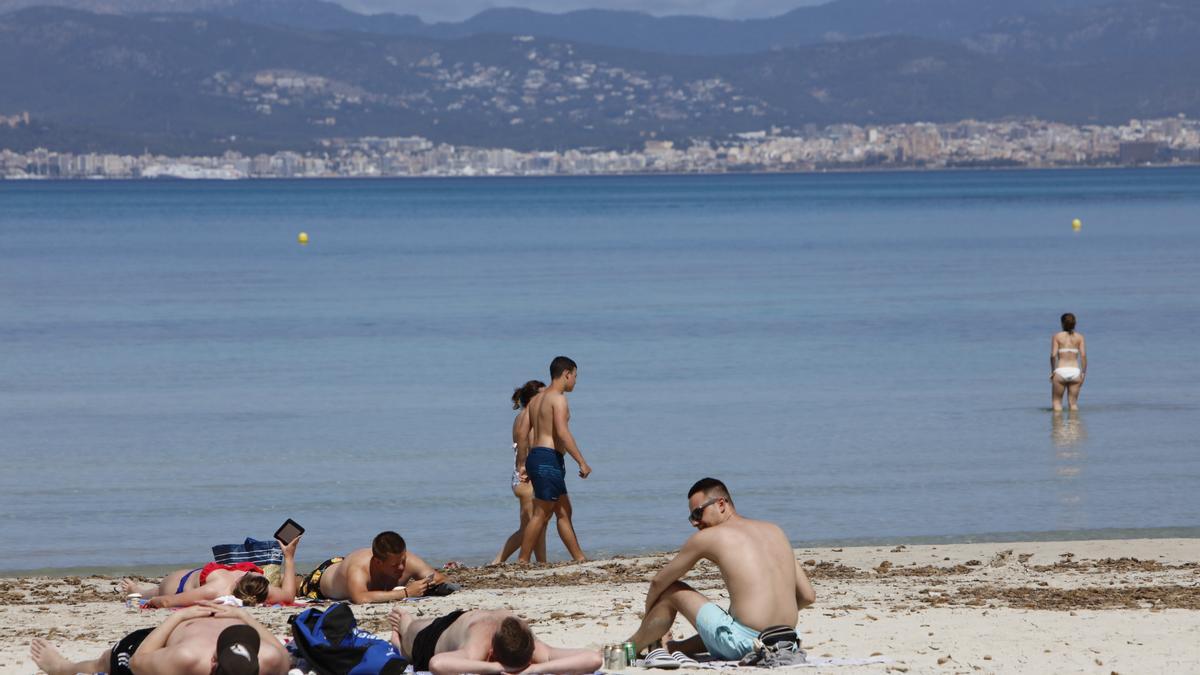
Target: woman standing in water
(1068,364)
(521,487)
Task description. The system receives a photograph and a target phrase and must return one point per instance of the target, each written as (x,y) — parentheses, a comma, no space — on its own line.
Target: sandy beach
(1123,606)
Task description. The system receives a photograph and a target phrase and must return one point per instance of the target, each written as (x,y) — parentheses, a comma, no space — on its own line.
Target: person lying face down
(199,640)
(482,641)
(244,581)
(386,572)
(767,586)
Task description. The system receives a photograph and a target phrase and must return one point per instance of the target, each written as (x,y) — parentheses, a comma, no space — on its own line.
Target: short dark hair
(1068,322)
(512,644)
(252,589)
(387,543)
(710,487)
(560,365)
(522,394)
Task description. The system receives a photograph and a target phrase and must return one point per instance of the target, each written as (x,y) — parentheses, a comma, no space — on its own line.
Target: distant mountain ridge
(202,83)
(835,21)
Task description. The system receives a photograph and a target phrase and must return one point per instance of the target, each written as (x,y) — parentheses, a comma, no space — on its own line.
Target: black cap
(237,651)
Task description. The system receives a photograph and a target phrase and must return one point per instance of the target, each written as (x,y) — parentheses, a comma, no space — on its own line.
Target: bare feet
(47,658)
(399,619)
(130,586)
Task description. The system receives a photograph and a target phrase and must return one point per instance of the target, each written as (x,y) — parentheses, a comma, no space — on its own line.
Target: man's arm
(357,582)
(562,431)
(805,595)
(566,661)
(459,661)
(151,657)
(420,570)
(269,650)
(693,550)
(286,592)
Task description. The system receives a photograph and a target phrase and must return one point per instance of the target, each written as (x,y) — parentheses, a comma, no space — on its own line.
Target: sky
(457,10)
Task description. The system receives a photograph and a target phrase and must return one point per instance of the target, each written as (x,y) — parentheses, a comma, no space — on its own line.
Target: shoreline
(1053,536)
(1099,605)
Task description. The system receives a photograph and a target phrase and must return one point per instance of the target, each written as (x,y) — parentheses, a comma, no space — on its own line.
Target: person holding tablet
(244,581)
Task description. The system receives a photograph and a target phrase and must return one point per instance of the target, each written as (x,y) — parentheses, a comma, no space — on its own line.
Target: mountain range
(206,75)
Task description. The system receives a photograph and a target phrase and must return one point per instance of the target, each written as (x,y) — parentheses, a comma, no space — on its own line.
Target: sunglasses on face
(698,512)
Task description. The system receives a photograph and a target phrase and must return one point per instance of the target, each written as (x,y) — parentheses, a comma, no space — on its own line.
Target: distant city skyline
(457,10)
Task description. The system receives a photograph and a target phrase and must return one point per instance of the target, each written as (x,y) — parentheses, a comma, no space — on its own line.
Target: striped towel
(260,553)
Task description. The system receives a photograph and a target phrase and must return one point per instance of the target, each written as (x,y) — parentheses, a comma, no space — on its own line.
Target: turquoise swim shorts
(725,638)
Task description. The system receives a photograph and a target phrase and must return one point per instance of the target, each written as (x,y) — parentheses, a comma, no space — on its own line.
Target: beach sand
(1125,606)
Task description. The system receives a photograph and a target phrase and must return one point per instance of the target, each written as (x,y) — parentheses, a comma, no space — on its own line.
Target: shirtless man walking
(482,641)
(386,572)
(767,586)
(199,640)
(550,416)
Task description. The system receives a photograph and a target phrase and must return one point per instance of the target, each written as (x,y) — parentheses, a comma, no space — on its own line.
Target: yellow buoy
(1076,224)
(303,237)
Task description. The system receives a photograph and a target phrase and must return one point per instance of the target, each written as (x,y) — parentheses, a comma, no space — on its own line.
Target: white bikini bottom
(1068,375)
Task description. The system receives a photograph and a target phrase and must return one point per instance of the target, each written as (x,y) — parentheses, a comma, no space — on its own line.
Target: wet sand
(1125,606)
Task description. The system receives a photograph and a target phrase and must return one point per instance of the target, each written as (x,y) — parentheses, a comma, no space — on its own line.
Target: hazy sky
(455,10)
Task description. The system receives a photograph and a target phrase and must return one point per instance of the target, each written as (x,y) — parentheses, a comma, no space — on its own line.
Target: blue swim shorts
(725,638)
(548,473)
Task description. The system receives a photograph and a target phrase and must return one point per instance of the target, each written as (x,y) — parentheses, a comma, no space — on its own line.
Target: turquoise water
(860,356)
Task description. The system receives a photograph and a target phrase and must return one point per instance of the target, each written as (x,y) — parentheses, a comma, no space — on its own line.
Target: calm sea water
(860,357)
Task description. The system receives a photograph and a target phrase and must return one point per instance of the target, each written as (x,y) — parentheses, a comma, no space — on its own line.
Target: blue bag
(332,644)
(261,553)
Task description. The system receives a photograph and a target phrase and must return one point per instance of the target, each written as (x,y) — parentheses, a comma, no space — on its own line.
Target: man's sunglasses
(698,512)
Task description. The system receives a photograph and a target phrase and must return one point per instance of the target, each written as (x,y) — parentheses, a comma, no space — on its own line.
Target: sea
(861,357)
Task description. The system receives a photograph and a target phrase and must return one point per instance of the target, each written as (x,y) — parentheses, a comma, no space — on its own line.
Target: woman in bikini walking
(521,487)
(1068,364)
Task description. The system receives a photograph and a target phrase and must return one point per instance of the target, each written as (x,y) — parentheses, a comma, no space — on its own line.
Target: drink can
(613,657)
(630,653)
(133,602)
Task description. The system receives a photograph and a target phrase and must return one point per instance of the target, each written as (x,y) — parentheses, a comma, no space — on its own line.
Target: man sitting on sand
(767,586)
(199,640)
(386,572)
(482,641)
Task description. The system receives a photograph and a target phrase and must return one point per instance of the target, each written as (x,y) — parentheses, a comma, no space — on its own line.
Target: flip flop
(660,658)
(684,660)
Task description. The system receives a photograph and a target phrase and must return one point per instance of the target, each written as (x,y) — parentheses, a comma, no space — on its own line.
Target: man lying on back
(199,640)
(386,572)
(767,586)
(485,642)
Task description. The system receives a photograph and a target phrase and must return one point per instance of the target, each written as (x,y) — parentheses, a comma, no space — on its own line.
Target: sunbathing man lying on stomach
(244,581)
(386,572)
(199,640)
(482,641)
(767,586)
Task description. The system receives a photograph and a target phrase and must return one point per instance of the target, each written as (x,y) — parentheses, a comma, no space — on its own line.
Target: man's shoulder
(765,526)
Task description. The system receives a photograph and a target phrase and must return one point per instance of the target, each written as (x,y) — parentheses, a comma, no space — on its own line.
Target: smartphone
(288,531)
